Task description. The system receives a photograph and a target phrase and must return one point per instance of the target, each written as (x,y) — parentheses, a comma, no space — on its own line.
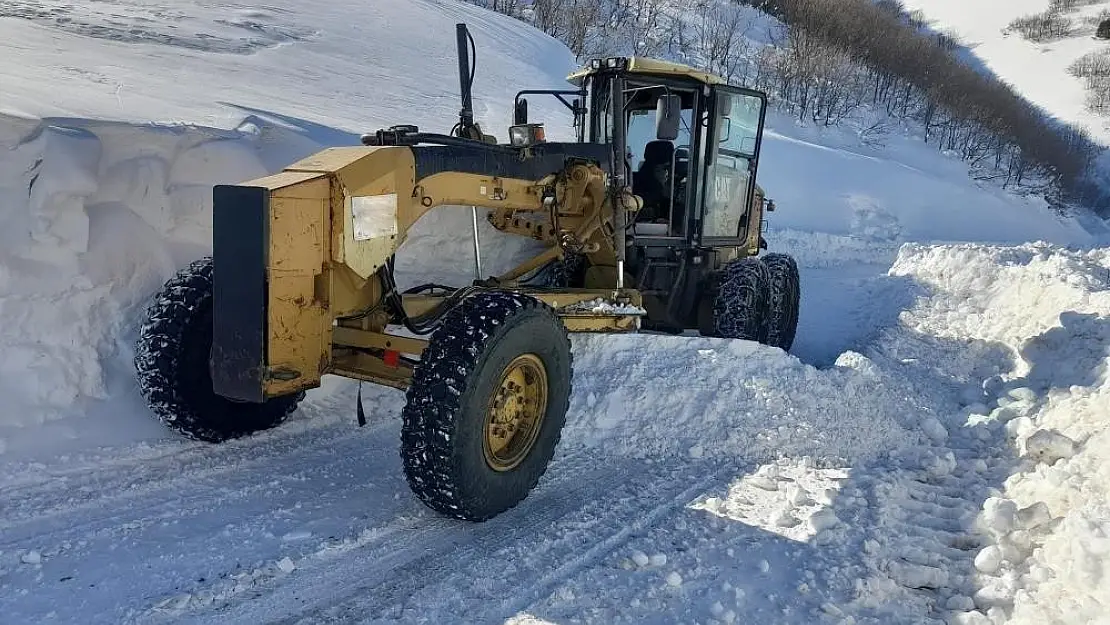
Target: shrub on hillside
(1042,27)
(1094,69)
(1103,31)
(1091,65)
(1071,5)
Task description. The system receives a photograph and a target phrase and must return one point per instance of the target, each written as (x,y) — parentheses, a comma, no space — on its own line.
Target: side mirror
(520,114)
(668,116)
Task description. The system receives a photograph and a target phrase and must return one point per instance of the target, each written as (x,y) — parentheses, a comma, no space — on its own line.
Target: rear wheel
(487,405)
(740,302)
(783,302)
(171,363)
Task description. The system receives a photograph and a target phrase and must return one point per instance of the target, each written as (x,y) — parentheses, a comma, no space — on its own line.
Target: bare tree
(720,38)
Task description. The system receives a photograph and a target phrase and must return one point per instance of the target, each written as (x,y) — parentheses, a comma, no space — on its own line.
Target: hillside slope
(860,477)
(1038,70)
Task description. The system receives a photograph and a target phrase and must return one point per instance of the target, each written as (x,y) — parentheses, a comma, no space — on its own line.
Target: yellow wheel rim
(515,413)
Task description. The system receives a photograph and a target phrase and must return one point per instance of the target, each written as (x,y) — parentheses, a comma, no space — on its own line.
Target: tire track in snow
(204,537)
(429,558)
(111,485)
(927,512)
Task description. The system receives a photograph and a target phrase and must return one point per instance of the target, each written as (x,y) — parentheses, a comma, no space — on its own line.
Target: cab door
(735,135)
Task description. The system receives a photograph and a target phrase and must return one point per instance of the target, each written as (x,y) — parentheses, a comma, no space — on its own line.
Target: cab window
(660,168)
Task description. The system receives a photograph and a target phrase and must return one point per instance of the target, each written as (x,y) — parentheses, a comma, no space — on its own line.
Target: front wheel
(487,405)
(171,364)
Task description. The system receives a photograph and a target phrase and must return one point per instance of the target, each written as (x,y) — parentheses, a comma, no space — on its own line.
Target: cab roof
(644,66)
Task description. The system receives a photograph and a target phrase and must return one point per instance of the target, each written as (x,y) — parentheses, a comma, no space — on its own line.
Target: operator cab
(687,143)
(690,145)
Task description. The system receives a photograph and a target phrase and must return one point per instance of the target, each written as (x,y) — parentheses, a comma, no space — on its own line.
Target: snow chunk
(286,565)
(1034,516)
(31,557)
(940,466)
(969,618)
(1023,393)
(960,602)
(297,535)
(934,429)
(823,519)
(913,575)
(1020,427)
(1048,446)
(600,306)
(989,559)
(1000,515)
(674,579)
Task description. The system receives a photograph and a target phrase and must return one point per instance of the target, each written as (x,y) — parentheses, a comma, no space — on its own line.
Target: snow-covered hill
(867,476)
(1038,70)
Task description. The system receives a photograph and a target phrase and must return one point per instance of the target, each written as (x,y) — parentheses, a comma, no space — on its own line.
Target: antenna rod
(466,115)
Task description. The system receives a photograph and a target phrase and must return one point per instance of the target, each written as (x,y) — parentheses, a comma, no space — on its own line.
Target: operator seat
(646,184)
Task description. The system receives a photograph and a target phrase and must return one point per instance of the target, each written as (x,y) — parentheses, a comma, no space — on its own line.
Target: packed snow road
(318,522)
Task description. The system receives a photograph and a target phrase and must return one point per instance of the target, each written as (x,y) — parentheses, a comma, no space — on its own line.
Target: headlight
(526,135)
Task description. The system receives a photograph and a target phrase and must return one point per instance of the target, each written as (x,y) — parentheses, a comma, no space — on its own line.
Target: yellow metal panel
(462,189)
(292,184)
(601,324)
(299,327)
(755,223)
(643,65)
(333,159)
(361,366)
(388,175)
(363,338)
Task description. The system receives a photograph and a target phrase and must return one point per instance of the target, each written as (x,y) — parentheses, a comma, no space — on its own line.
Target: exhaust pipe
(466,78)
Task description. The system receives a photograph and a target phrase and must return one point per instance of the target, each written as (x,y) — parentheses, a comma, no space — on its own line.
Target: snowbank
(1046,529)
(700,397)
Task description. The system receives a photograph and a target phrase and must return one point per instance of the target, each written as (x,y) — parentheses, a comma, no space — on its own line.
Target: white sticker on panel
(374,216)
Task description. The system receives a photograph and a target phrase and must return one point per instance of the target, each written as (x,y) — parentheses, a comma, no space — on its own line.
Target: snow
(1037,71)
(825,181)
(932,450)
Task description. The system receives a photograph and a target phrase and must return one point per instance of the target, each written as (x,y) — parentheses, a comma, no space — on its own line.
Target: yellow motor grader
(650,220)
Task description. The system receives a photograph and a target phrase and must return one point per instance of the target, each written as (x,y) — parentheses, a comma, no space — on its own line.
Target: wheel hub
(515,413)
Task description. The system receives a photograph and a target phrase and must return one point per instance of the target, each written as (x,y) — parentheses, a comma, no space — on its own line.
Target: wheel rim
(515,413)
